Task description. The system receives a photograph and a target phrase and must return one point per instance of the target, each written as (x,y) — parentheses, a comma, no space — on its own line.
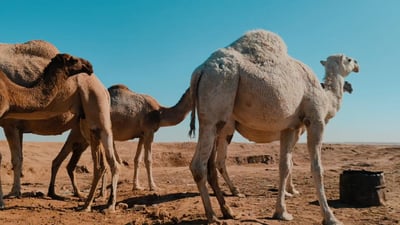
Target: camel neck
(333,83)
(175,114)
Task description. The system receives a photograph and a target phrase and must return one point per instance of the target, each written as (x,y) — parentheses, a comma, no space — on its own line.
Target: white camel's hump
(259,45)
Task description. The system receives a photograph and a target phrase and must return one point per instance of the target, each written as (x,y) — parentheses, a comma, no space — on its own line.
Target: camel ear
(60,58)
(323,62)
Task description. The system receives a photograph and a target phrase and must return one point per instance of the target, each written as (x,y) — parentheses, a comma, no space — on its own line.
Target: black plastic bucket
(362,188)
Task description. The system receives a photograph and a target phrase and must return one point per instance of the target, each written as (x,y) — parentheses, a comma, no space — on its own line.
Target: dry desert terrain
(253,168)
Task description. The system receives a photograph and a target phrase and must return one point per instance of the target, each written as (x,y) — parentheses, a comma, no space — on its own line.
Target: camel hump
(118,86)
(259,45)
(37,48)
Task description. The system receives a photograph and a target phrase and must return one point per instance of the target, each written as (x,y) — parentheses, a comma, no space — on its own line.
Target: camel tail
(194,86)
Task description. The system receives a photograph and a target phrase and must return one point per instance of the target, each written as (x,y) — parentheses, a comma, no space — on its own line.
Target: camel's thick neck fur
(334,92)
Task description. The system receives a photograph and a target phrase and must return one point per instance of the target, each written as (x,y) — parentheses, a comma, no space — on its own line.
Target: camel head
(340,64)
(70,64)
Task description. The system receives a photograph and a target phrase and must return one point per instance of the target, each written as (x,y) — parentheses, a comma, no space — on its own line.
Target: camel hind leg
(148,160)
(224,139)
(77,144)
(215,101)
(113,161)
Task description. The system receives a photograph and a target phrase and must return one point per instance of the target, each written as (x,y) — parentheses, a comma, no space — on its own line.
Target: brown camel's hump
(118,86)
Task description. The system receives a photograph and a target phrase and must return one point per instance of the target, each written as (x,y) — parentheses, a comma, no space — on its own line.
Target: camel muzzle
(356,69)
(88,68)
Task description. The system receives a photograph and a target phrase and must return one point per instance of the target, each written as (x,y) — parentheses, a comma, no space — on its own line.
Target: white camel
(255,87)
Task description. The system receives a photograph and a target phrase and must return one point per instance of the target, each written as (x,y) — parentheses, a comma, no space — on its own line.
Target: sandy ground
(177,201)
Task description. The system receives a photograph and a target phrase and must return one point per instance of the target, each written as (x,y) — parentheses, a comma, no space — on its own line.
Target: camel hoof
(13,194)
(237,193)
(283,216)
(84,208)
(56,197)
(333,221)
(154,188)
(137,188)
(110,209)
(228,213)
(214,221)
(240,195)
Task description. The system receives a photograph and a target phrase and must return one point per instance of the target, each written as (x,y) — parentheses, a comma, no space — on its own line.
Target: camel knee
(199,171)
(148,161)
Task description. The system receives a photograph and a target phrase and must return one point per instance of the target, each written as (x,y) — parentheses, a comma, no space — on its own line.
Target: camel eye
(348,60)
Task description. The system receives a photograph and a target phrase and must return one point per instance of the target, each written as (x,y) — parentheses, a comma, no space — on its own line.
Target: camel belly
(268,104)
(257,136)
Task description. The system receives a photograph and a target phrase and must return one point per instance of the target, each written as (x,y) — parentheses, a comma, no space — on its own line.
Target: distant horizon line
(243,142)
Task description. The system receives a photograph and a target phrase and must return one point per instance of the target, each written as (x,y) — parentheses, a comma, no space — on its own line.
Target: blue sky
(153,47)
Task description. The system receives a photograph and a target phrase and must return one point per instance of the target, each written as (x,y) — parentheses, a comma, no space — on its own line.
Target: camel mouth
(356,69)
(88,68)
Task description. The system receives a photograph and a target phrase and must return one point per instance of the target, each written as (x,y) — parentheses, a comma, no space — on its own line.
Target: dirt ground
(253,168)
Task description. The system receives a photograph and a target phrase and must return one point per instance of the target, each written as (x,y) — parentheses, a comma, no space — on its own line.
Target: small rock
(123,206)
(139,207)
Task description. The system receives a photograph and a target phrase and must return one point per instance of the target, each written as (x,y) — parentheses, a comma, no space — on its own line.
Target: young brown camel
(83,96)
(255,87)
(133,115)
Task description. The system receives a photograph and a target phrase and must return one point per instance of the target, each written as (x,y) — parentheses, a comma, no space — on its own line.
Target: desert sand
(253,168)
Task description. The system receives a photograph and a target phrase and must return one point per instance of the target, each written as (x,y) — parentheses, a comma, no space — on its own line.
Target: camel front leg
(136,162)
(148,160)
(314,142)
(14,139)
(98,167)
(287,143)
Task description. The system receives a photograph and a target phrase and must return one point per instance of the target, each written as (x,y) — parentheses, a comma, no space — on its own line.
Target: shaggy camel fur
(84,96)
(17,100)
(133,115)
(255,87)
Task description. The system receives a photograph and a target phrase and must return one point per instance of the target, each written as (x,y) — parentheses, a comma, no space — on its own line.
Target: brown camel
(83,96)
(34,102)
(38,100)
(133,115)
(255,87)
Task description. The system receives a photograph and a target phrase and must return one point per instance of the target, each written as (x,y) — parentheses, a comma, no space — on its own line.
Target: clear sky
(153,47)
